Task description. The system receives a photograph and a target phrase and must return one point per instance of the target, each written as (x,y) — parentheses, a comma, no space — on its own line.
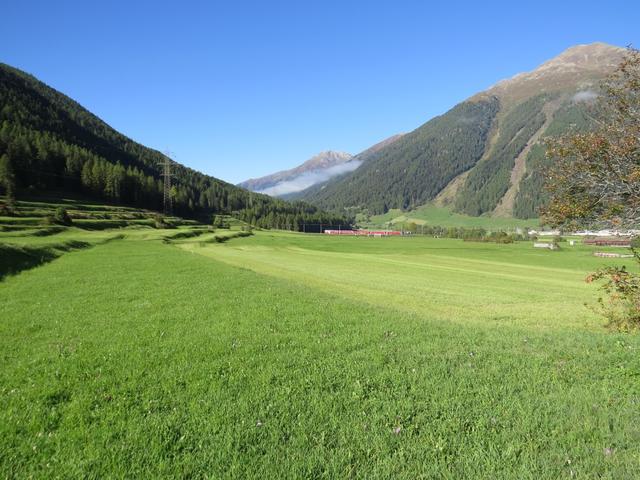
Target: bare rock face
(598,57)
(578,67)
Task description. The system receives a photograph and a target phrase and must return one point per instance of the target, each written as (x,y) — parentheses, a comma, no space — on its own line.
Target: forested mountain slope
(48,142)
(394,177)
(485,155)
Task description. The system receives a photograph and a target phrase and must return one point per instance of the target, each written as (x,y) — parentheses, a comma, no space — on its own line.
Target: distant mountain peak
(323,167)
(318,168)
(590,56)
(589,62)
(325,159)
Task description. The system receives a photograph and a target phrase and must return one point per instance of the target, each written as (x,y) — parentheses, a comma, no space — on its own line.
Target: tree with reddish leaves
(595,182)
(595,179)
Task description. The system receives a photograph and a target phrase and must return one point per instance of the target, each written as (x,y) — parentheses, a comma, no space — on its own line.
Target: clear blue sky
(240,89)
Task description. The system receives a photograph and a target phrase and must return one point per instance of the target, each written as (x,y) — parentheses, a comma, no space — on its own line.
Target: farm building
(608,242)
(547,245)
(544,233)
(611,255)
(607,233)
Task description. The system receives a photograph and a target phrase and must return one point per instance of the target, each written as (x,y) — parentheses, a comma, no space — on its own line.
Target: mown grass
(447,279)
(292,356)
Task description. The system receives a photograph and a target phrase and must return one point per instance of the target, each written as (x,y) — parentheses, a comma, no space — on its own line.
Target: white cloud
(584,96)
(307,179)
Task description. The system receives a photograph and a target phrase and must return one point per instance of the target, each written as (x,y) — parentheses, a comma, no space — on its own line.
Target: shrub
(219,221)
(161,222)
(59,217)
(502,237)
(622,307)
(6,209)
(62,216)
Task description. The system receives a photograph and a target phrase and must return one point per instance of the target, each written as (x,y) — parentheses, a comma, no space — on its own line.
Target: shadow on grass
(38,232)
(45,232)
(87,224)
(226,238)
(183,235)
(14,258)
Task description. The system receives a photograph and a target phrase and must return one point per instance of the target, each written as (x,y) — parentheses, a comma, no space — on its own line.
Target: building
(547,245)
(608,241)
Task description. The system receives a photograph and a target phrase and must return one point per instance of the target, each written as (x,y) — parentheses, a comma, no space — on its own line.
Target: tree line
(469,234)
(49,143)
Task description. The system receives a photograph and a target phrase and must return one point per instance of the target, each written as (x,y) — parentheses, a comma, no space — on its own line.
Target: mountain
(359,159)
(485,155)
(317,169)
(313,174)
(50,143)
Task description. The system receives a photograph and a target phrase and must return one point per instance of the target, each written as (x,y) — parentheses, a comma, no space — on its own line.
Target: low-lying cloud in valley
(312,177)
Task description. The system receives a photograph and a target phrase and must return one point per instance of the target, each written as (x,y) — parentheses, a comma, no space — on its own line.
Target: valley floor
(306,356)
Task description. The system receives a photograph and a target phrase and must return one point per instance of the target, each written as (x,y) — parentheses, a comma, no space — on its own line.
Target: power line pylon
(166,173)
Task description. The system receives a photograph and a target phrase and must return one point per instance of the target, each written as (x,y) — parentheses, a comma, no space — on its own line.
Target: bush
(495,237)
(161,222)
(622,307)
(62,216)
(219,221)
(6,210)
(59,217)
(502,237)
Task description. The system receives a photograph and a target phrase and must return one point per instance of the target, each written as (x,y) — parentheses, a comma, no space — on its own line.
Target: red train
(366,233)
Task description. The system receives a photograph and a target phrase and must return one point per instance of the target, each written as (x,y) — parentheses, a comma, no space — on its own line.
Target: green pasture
(149,353)
(430,214)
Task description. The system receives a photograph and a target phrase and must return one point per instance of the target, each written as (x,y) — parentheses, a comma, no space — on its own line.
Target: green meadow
(142,353)
(430,214)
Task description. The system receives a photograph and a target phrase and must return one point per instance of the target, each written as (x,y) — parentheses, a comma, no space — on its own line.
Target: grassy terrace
(169,353)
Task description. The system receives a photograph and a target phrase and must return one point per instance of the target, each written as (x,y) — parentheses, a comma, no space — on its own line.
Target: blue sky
(240,89)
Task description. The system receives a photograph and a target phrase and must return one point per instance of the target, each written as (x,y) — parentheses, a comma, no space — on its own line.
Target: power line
(166,174)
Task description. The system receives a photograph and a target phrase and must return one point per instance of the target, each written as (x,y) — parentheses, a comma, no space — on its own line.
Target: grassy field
(444,217)
(171,353)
